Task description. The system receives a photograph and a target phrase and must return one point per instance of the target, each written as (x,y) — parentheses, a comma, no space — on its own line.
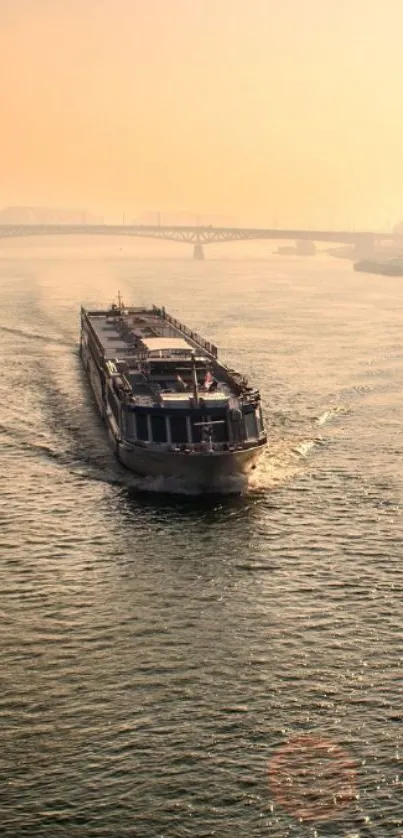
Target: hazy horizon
(274,115)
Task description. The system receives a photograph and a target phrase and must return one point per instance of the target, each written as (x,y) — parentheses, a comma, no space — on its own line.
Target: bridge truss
(185,234)
(198,236)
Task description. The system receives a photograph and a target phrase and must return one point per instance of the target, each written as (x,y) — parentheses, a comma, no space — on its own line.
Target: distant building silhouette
(184,219)
(47,215)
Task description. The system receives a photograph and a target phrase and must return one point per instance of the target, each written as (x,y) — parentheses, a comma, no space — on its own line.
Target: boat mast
(194,375)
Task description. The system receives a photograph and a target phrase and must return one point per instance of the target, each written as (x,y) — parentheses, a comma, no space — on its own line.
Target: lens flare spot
(314,779)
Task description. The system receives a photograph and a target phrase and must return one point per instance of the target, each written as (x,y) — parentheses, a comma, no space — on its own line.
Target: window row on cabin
(173,429)
(182,429)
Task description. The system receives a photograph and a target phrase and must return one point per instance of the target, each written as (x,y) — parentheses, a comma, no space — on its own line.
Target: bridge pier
(198,252)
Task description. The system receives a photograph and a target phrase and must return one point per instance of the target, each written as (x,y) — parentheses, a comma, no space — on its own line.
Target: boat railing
(85,321)
(238,384)
(194,336)
(199,447)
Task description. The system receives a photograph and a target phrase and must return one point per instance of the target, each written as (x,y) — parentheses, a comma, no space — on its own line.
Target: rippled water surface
(224,666)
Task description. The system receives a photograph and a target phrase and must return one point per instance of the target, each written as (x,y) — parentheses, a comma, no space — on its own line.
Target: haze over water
(159,652)
(270,113)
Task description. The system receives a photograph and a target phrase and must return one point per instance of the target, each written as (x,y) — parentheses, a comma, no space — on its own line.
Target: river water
(181,666)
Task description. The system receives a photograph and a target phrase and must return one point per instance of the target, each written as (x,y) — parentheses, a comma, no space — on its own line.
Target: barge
(391,267)
(171,408)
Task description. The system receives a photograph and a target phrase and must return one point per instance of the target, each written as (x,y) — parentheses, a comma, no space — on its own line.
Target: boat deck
(149,394)
(124,335)
(128,339)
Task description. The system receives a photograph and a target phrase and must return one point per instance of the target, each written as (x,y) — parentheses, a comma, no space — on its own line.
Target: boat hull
(204,469)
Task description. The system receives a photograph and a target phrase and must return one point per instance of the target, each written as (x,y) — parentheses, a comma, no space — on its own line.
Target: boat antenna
(120,301)
(194,375)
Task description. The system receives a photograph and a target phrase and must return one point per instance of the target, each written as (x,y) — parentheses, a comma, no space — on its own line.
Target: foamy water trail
(283,460)
(303,448)
(21,333)
(330,414)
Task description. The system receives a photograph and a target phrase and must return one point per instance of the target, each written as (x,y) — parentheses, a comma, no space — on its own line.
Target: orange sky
(257,109)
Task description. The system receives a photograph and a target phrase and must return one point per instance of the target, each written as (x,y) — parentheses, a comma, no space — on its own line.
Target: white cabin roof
(166,344)
(175,399)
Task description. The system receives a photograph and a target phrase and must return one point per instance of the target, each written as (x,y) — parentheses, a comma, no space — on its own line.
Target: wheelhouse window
(159,430)
(259,420)
(142,429)
(178,429)
(129,424)
(220,431)
(250,425)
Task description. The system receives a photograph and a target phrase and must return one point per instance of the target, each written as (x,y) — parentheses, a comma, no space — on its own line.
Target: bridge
(363,243)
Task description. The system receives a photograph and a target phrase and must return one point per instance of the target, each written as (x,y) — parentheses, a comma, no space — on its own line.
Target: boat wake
(36,336)
(87,456)
(287,456)
(283,461)
(330,414)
